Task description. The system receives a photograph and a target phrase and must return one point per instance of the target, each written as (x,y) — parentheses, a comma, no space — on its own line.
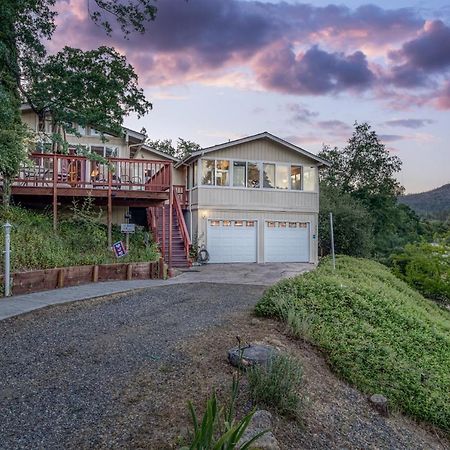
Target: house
(255,199)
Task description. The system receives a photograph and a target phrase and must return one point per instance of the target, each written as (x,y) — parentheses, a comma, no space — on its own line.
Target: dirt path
(117,373)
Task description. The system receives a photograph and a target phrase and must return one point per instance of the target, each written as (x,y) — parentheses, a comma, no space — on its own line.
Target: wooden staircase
(159,224)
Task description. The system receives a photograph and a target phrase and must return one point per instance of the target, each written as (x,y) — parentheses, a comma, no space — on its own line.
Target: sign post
(127,228)
(332,241)
(7,275)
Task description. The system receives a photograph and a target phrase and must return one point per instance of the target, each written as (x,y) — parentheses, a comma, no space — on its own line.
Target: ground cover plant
(81,239)
(376,331)
(276,385)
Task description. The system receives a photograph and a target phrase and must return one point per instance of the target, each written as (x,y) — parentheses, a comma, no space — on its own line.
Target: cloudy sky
(221,69)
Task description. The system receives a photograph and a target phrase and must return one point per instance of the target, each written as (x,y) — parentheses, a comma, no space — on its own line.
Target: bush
(377,332)
(425,267)
(276,385)
(81,239)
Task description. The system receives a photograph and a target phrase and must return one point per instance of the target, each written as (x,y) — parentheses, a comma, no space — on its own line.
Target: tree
(365,170)
(28,74)
(353,225)
(184,147)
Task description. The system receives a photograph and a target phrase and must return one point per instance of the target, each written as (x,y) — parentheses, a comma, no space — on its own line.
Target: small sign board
(127,227)
(119,249)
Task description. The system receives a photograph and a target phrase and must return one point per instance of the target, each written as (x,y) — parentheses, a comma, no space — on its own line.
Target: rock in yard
(251,355)
(380,403)
(262,420)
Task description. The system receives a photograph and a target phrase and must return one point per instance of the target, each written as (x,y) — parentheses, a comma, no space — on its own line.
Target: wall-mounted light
(204,214)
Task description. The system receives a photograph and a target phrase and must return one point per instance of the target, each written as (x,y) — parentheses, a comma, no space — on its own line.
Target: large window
(208,172)
(310,179)
(194,173)
(269,175)
(222,172)
(253,176)
(282,176)
(239,173)
(296,178)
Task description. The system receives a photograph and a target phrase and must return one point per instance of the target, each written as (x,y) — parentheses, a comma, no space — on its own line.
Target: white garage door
(231,241)
(286,242)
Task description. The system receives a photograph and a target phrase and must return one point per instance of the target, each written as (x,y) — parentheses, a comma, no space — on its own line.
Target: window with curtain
(222,172)
(282,177)
(296,178)
(269,175)
(208,172)
(239,172)
(253,175)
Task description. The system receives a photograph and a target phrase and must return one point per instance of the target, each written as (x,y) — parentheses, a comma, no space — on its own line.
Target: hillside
(377,333)
(434,203)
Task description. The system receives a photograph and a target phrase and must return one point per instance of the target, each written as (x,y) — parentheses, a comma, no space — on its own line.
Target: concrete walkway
(254,274)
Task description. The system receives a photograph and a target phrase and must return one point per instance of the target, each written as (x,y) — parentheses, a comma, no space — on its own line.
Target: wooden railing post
(170,216)
(55,193)
(109,219)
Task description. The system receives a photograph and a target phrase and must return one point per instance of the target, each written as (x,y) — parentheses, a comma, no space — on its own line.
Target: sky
(217,70)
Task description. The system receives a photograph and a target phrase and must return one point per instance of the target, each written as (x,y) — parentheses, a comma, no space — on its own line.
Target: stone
(261,420)
(253,354)
(380,403)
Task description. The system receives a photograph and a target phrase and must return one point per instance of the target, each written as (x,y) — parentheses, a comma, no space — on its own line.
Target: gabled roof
(158,152)
(255,137)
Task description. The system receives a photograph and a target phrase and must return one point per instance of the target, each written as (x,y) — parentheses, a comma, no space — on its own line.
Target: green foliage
(219,429)
(378,333)
(183,148)
(353,229)
(426,267)
(365,171)
(81,239)
(276,385)
(80,86)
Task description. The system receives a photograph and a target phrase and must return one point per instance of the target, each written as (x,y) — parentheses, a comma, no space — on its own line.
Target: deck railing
(182,224)
(79,172)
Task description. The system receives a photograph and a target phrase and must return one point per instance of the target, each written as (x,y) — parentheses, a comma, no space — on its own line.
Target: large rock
(253,354)
(261,420)
(380,403)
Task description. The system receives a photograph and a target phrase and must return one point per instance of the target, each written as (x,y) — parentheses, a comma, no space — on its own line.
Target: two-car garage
(243,241)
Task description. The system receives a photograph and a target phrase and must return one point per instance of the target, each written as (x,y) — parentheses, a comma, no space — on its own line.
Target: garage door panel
(231,243)
(286,244)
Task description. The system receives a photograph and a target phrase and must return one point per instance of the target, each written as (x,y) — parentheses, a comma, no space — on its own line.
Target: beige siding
(261,150)
(262,199)
(200,218)
(29,118)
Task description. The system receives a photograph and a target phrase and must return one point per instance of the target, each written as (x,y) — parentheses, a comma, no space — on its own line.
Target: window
(310,179)
(250,223)
(208,172)
(239,170)
(238,223)
(282,177)
(82,130)
(222,172)
(194,174)
(296,178)
(269,175)
(97,149)
(253,175)
(227,223)
(111,152)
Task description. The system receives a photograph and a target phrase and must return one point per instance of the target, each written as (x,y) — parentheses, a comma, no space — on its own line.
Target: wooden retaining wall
(42,280)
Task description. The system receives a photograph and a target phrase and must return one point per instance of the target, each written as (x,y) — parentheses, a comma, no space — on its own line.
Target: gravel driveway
(62,368)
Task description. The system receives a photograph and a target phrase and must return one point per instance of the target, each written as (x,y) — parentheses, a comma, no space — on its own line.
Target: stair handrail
(182,223)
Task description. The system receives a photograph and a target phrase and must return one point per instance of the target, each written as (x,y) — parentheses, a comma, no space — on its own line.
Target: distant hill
(434,203)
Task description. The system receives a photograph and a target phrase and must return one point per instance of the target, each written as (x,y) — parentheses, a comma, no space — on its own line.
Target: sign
(119,249)
(127,227)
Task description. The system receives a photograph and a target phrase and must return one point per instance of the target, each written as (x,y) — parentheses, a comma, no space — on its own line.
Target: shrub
(425,267)
(276,385)
(377,332)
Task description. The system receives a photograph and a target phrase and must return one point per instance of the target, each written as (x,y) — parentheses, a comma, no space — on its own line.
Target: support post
(109,219)
(332,241)
(7,275)
(55,193)
(170,215)
(163,252)
(129,271)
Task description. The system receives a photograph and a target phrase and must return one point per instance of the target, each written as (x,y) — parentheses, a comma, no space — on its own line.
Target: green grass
(276,386)
(81,239)
(377,332)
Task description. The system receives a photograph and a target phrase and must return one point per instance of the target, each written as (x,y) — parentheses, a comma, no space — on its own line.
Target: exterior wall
(201,216)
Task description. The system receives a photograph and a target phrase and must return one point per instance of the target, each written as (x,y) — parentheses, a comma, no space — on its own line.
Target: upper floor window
(282,176)
(208,172)
(268,175)
(239,173)
(253,175)
(222,172)
(194,174)
(310,179)
(296,178)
